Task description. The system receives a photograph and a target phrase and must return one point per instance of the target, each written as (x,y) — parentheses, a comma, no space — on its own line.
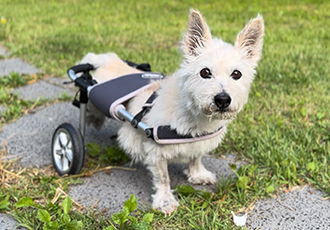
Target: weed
(5,203)
(51,216)
(64,96)
(14,80)
(106,155)
(124,220)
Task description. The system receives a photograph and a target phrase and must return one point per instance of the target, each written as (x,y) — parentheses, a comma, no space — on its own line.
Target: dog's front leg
(198,174)
(164,199)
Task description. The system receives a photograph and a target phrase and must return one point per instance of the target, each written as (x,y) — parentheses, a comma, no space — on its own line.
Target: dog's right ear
(197,36)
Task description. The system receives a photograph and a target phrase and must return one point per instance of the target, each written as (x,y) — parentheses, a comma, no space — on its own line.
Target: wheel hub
(63,151)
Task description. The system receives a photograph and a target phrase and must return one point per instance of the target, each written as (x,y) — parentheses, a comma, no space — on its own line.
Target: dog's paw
(165,202)
(202,177)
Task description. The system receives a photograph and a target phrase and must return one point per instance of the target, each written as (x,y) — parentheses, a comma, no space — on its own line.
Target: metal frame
(83,85)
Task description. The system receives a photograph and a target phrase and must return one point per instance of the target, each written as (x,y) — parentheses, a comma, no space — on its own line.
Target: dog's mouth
(214,113)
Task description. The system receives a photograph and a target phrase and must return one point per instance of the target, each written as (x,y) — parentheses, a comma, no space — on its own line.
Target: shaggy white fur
(206,93)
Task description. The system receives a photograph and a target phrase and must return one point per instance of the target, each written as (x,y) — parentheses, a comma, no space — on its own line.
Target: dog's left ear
(197,36)
(250,39)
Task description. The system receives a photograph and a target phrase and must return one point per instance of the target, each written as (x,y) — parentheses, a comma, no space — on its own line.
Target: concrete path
(7,222)
(30,137)
(303,208)
(16,65)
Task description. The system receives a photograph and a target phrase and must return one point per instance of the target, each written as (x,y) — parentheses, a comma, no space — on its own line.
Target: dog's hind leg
(163,199)
(94,116)
(198,174)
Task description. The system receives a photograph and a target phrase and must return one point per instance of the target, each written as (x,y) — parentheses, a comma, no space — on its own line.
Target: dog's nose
(222,100)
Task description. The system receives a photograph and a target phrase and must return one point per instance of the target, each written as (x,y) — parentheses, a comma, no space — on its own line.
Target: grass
(283,132)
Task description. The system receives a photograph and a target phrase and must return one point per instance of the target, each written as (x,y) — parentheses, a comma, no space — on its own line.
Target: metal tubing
(82,120)
(129,117)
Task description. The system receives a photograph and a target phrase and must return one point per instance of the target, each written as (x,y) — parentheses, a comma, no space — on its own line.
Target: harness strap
(164,134)
(143,67)
(145,109)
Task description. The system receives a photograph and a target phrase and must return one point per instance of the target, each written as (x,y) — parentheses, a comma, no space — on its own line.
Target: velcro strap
(143,67)
(150,102)
(145,109)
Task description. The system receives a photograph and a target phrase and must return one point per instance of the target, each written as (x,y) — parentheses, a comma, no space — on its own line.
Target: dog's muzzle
(222,101)
(220,108)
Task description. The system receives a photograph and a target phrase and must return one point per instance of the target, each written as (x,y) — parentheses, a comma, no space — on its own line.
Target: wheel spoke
(63,139)
(69,155)
(69,144)
(58,157)
(65,163)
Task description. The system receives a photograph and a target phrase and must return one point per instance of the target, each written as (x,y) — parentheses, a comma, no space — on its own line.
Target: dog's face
(215,77)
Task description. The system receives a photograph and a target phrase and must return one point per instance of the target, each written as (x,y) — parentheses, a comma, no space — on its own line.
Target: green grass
(284,130)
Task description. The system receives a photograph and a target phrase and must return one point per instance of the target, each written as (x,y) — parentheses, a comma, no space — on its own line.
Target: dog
(207,92)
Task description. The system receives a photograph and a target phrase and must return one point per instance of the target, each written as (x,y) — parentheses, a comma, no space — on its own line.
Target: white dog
(203,96)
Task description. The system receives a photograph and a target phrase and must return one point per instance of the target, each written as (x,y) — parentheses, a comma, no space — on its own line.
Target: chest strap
(164,134)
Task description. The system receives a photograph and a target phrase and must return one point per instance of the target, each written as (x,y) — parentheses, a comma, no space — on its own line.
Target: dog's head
(215,77)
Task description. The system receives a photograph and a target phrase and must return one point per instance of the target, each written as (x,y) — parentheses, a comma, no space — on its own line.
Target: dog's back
(108,65)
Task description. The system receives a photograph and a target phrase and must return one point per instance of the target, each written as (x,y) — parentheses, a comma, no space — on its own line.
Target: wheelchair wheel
(68,150)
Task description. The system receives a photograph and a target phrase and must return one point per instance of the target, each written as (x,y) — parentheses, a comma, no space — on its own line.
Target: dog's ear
(250,39)
(197,36)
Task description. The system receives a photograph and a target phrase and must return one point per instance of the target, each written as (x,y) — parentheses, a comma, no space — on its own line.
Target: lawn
(283,132)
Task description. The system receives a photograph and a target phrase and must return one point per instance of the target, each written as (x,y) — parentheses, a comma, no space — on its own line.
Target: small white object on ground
(239,220)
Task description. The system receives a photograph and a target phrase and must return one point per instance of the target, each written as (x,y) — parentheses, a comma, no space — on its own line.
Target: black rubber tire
(77,149)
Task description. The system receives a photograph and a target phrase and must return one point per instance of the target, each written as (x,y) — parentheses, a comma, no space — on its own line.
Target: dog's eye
(236,74)
(205,73)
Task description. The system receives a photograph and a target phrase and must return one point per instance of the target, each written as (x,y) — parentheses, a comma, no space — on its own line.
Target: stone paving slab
(42,89)
(8,223)
(17,65)
(63,82)
(300,209)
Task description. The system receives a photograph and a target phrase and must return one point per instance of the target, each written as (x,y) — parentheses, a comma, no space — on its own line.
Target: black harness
(165,134)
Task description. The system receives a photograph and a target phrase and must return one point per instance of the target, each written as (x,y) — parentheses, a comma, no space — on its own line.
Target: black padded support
(166,133)
(104,94)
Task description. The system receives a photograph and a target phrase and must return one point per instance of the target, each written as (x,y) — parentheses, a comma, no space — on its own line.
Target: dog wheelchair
(68,148)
